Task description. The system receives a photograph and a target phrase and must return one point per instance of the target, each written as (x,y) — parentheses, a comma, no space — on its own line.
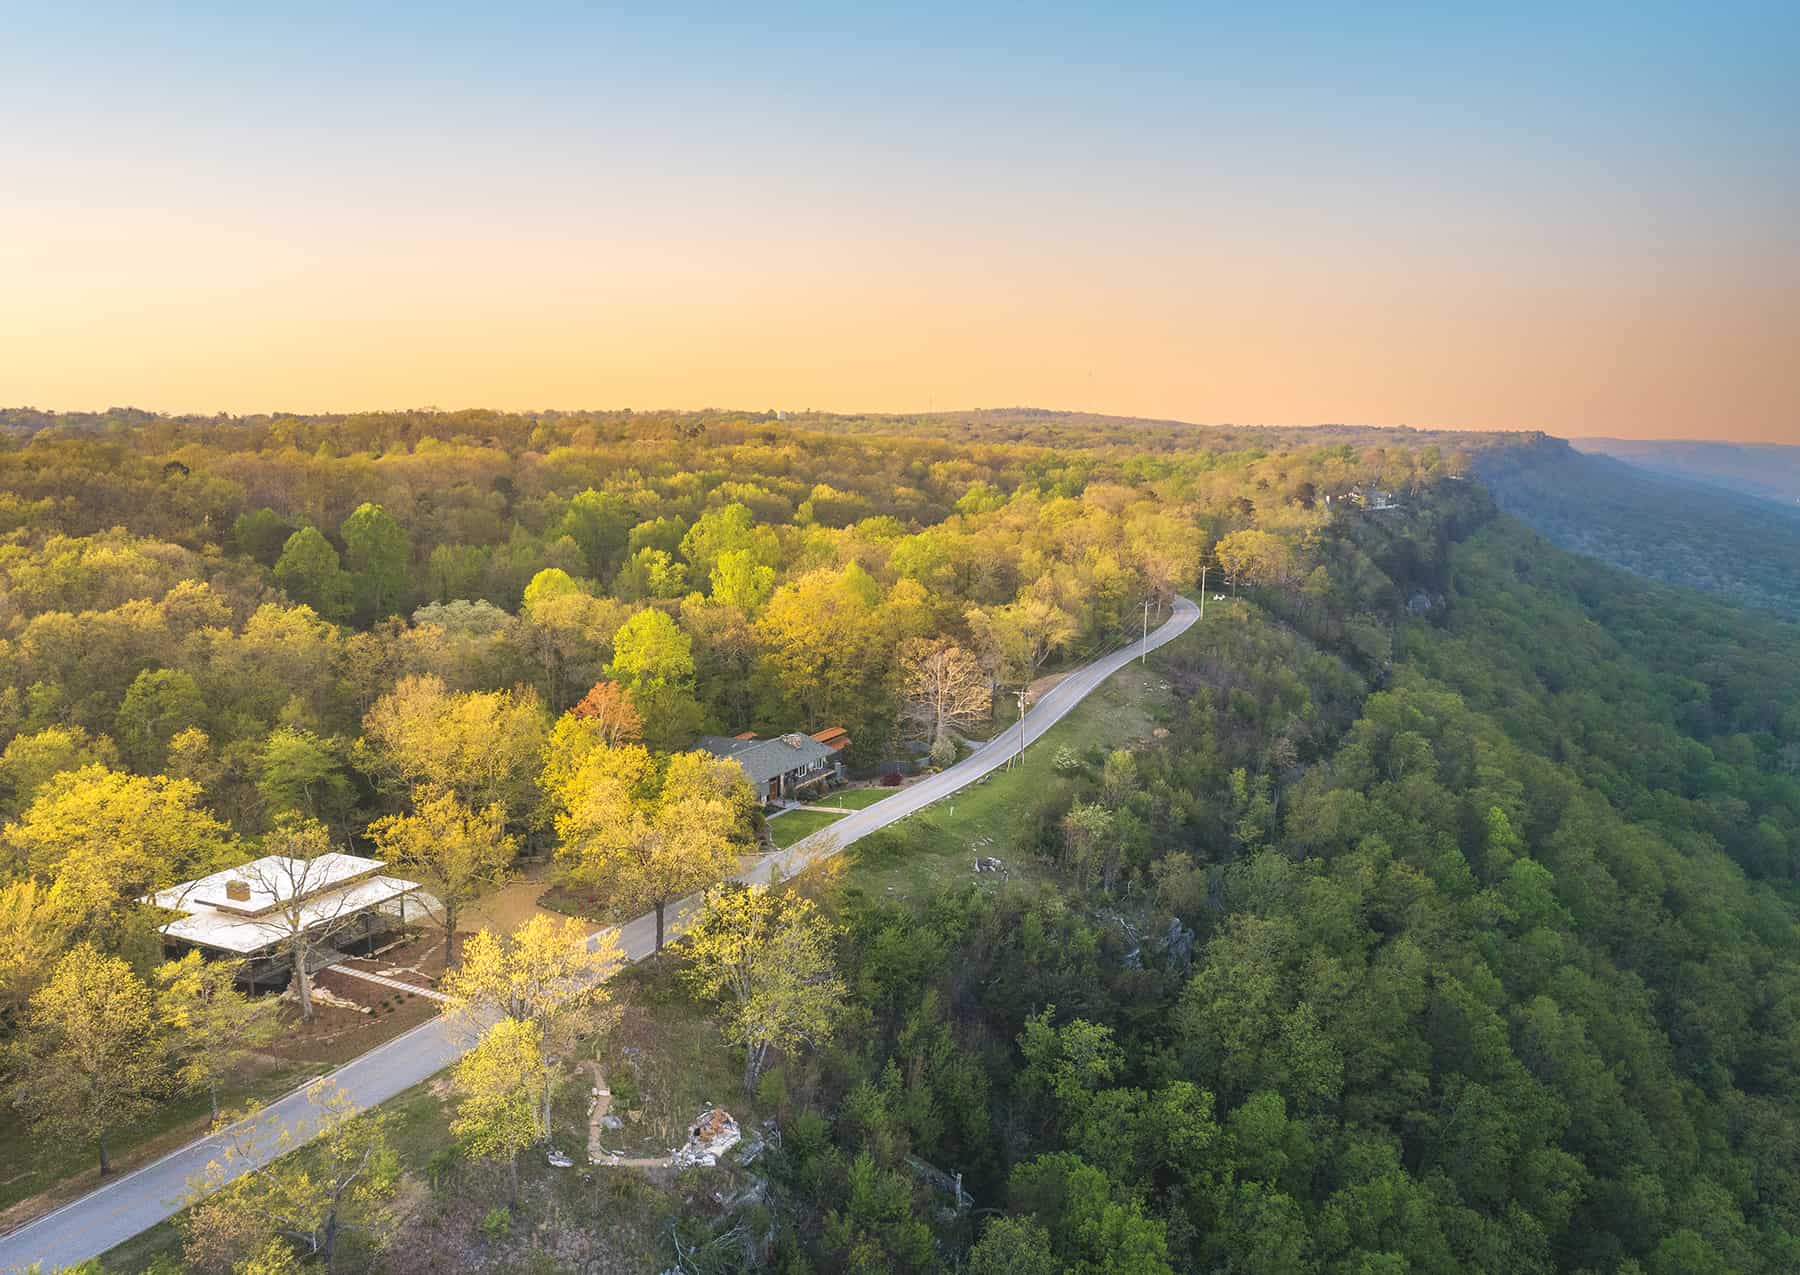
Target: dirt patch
(1040,688)
(338,1035)
(513,904)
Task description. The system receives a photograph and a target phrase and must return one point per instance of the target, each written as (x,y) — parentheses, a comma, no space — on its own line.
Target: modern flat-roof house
(247,911)
(779,768)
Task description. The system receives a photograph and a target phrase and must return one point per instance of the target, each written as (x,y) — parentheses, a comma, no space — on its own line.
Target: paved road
(128,1205)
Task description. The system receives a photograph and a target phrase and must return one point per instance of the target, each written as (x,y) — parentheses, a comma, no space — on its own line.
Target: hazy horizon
(1574,222)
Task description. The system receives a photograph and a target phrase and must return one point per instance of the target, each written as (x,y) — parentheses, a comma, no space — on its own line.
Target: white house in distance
(250,910)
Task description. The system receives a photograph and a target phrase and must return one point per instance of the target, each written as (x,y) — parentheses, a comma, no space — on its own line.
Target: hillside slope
(1737,547)
(1766,470)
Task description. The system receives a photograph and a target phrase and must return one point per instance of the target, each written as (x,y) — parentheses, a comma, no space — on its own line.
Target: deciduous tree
(645,832)
(212,1027)
(549,975)
(482,745)
(458,854)
(310,571)
(159,704)
(615,719)
(109,838)
(35,925)
(92,1055)
(297,865)
(1016,640)
(377,555)
(767,959)
(945,692)
(342,1184)
(498,1084)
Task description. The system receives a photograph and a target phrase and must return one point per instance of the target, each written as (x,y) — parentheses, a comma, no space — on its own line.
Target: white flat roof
(328,888)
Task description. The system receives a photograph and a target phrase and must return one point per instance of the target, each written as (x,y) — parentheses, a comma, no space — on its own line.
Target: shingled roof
(767,759)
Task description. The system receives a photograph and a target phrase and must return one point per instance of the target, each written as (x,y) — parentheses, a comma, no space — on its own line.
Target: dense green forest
(1448,925)
(1496,965)
(1681,531)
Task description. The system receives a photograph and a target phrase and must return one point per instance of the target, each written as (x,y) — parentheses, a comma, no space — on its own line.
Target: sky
(1580,218)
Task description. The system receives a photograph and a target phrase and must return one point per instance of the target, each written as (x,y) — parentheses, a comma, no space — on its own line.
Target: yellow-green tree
(645,832)
(343,1183)
(483,745)
(654,660)
(35,925)
(1016,640)
(498,1083)
(549,975)
(457,853)
(1255,557)
(767,959)
(91,1055)
(108,838)
(211,1025)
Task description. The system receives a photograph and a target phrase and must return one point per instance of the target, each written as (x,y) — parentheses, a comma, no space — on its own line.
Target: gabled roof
(766,759)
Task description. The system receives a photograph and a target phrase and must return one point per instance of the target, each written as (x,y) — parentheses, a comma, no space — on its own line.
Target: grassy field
(857,798)
(795,824)
(991,816)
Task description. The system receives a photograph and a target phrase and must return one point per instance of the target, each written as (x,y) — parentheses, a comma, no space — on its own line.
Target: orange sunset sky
(1577,223)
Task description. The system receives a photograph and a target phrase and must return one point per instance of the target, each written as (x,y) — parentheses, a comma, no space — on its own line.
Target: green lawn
(785,830)
(32,1165)
(857,798)
(986,819)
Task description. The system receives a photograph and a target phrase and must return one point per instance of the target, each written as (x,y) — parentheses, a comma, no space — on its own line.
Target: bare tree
(297,876)
(945,691)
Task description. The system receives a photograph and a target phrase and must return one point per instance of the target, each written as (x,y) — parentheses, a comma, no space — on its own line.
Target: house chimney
(237,891)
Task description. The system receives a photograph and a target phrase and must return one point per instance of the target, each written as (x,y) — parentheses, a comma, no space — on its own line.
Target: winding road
(111,1214)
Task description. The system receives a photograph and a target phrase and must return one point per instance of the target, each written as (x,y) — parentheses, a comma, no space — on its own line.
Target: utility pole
(1203,567)
(1021,755)
(1144,644)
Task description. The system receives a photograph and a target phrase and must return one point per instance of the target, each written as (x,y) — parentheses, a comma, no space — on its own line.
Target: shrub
(498,1222)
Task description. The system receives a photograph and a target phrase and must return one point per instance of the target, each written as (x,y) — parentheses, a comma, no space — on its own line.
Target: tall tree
(498,1083)
(945,692)
(300,773)
(159,704)
(615,718)
(483,745)
(548,975)
(212,1027)
(1255,557)
(739,580)
(1017,640)
(654,660)
(92,1057)
(377,555)
(343,1183)
(310,571)
(646,833)
(109,838)
(298,864)
(767,959)
(35,925)
(458,854)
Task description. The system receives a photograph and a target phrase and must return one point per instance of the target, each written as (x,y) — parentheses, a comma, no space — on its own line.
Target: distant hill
(1671,527)
(1768,470)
